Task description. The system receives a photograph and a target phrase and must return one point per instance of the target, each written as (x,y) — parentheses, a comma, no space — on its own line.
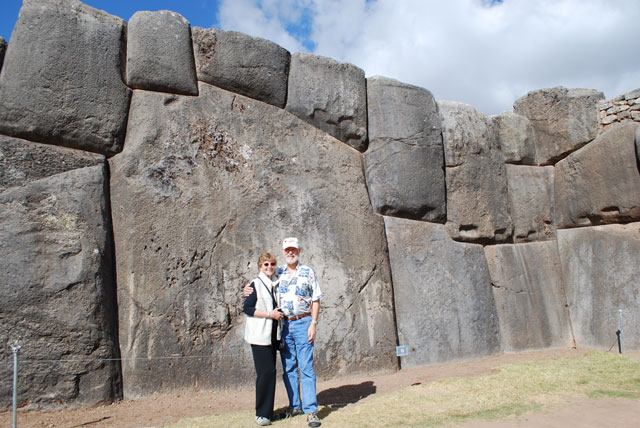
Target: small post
(15,350)
(621,333)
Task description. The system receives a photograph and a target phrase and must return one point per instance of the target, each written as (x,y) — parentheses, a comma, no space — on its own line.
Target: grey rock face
(516,138)
(228,177)
(599,183)
(529,296)
(563,119)
(638,147)
(330,95)
(159,53)
(477,197)
(444,306)
(3,49)
(531,197)
(68,58)
(57,290)
(251,66)
(602,275)
(23,161)
(404,161)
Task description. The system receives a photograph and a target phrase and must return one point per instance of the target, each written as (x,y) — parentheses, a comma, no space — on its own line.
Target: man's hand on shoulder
(247,290)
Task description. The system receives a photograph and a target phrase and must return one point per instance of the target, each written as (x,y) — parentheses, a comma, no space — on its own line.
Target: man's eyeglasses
(267,264)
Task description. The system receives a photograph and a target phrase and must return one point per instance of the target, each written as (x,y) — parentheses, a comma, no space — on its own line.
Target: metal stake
(15,350)
(621,333)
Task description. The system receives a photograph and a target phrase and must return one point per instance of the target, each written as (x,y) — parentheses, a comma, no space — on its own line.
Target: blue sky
(486,53)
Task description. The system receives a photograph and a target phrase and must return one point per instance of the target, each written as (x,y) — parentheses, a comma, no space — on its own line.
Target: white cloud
(465,50)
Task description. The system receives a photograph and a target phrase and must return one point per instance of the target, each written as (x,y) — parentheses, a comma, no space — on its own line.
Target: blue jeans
(299,355)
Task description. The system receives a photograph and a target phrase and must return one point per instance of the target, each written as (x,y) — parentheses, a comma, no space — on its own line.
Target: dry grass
(512,390)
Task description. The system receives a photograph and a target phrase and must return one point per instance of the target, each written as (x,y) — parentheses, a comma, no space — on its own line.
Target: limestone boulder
(404,162)
(563,119)
(516,138)
(638,147)
(599,183)
(3,49)
(237,62)
(160,54)
(203,186)
(22,162)
(330,95)
(57,291)
(445,309)
(531,199)
(527,287)
(602,276)
(476,180)
(68,58)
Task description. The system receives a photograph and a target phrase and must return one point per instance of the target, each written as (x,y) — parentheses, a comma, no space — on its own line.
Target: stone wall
(623,108)
(139,185)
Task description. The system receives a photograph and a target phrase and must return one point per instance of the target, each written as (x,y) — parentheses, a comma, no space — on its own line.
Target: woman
(262,331)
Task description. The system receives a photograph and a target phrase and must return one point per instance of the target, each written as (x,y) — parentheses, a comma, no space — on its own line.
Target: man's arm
(315,313)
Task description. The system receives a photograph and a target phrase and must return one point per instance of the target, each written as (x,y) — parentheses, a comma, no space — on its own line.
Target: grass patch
(512,391)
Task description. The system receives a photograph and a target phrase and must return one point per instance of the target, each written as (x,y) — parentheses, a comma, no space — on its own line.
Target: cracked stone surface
(442,290)
(527,287)
(203,186)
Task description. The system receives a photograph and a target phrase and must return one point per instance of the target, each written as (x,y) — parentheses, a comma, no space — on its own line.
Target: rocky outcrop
(330,95)
(68,58)
(251,66)
(159,53)
(563,119)
(529,295)
(227,190)
(531,199)
(516,138)
(404,161)
(60,309)
(477,198)
(444,307)
(599,183)
(601,271)
(22,162)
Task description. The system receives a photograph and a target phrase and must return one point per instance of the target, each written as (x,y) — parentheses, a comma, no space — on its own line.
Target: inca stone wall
(144,165)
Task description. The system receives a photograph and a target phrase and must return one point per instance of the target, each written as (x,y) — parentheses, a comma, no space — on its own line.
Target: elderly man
(299,298)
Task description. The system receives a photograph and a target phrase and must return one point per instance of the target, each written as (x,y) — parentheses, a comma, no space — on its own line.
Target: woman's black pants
(264,359)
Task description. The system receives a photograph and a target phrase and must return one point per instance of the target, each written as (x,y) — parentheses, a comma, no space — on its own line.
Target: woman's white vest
(257,331)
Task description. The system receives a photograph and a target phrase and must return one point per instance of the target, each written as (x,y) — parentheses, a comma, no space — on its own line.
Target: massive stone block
(477,196)
(23,161)
(203,186)
(602,275)
(599,183)
(330,95)
(159,53)
(68,58)
(516,138)
(563,119)
(404,162)
(251,66)
(529,296)
(531,197)
(57,290)
(444,306)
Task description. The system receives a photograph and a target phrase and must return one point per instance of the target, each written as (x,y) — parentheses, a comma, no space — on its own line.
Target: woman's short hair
(266,257)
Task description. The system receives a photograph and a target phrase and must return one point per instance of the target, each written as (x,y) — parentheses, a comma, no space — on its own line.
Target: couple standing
(283,303)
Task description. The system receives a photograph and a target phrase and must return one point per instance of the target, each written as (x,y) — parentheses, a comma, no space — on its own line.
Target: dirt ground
(161,410)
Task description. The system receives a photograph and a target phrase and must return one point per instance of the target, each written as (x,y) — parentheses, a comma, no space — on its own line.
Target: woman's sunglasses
(267,264)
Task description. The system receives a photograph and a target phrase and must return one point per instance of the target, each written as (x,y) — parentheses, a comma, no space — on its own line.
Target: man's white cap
(290,243)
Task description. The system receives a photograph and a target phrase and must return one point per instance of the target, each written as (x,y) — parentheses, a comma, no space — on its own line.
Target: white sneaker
(262,421)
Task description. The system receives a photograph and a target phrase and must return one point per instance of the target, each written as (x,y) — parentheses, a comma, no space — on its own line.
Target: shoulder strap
(273,299)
